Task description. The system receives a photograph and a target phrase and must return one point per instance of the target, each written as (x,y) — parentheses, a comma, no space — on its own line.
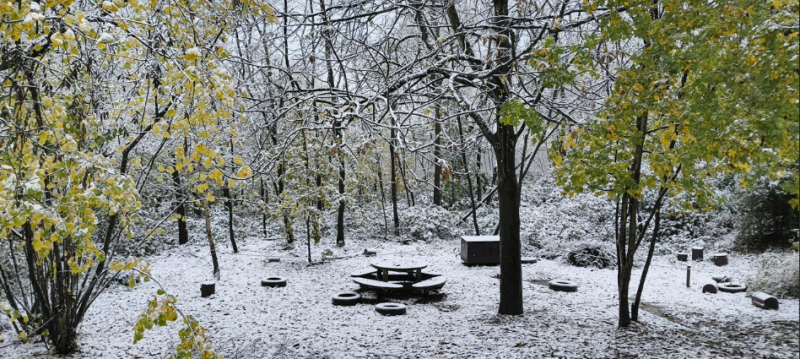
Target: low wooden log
(683,257)
(370,252)
(710,288)
(764,300)
(720,259)
(273,260)
(206,289)
(697,253)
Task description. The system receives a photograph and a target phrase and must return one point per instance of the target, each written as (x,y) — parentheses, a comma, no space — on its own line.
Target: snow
(105,38)
(248,320)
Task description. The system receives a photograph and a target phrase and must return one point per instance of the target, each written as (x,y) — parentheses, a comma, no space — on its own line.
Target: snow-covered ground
(246,320)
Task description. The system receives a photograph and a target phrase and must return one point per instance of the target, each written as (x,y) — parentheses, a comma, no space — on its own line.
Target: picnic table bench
(429,284)
(376,284)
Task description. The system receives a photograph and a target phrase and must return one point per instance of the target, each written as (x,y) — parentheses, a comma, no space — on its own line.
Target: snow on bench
(428,273)
(433,283)
(377,284)
(366,272)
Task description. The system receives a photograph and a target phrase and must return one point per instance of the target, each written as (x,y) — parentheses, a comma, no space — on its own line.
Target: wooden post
(688,276)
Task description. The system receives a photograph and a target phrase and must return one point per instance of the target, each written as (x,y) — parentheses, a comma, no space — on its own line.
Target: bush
(766,219)
(778,274)
(426,223)
(592,255)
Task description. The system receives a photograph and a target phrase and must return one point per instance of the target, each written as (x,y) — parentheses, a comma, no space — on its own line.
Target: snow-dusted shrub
(592,255)
(684,227)
(778,274)
(426,223)
(766,219)
(553,225)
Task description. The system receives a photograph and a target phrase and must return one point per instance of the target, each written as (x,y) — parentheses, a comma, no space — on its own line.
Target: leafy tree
(84,85)
(705,89)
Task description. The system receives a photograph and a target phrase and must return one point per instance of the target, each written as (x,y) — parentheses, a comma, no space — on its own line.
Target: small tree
(710,89)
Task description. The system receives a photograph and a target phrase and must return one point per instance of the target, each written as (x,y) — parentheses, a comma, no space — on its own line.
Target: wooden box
(480,250)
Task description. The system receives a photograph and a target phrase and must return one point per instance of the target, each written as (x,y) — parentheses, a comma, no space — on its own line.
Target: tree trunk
(627,254)
(183,234)
(437,168)
(508,194)
(650,250)
(623,271)
(263,193)
(469,179)
(394,182)
(409,194)
(383,196)
(211,245)
(340,211)
(479,185)
(488,199)
(229,206)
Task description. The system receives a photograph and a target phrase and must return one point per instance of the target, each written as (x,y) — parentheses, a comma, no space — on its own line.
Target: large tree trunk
(508,194)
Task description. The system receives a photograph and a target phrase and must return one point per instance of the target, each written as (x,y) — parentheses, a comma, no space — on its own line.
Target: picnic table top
(397,264)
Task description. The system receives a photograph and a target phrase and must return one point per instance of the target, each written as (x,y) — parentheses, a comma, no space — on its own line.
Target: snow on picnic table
(247,320)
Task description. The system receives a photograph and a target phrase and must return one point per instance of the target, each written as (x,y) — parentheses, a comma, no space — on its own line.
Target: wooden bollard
(710,288)
(688,276)
(206,289)
(683,257)
(764,300)
(697,253)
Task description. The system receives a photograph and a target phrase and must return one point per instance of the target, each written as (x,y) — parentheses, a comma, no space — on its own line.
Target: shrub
(778,274)
(766,219)
(426,223)
(592,255)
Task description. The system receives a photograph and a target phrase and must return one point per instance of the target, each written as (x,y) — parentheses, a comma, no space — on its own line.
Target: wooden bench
(366,272)
(429,284)
(376,284)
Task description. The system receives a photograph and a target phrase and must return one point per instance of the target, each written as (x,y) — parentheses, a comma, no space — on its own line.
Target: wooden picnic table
(410,266)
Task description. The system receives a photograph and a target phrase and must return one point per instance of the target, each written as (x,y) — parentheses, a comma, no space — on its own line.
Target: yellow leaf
(109,6)
(210,197)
